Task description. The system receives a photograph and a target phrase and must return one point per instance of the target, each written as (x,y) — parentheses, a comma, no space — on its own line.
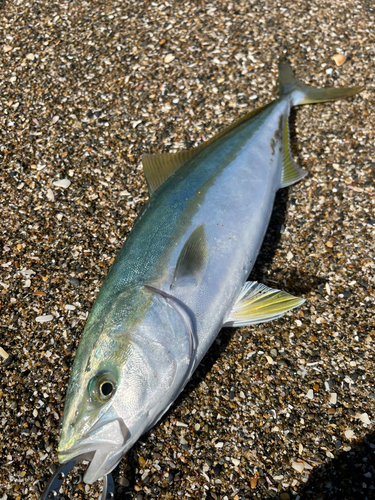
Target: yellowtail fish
(180,277)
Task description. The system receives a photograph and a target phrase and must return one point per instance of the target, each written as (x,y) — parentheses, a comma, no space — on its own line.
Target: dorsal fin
(192,261)
(158,168)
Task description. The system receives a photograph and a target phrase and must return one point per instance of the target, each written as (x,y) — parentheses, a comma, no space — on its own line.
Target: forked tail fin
(305,94)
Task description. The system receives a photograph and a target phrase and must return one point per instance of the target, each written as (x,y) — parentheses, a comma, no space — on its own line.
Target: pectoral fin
(192,260)
(257,303)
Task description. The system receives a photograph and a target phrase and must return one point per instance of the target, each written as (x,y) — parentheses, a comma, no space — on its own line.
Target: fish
(181,276)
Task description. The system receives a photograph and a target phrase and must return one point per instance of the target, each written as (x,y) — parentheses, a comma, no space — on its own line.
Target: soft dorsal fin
(158,168)
(257,303)
(291,171)
(192,261)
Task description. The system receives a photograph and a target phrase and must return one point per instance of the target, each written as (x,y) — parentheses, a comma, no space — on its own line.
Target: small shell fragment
(50,195)
(349,433)
(44,319)
(364,418)
(169,58)
(136,123)
(333,398)
(269,359)
(310,394)
(298,466)
(3,353)
(339,59)
(253,482)
(63,183)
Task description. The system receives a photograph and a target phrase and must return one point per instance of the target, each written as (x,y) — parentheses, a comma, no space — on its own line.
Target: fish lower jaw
(73,452)
(105,445)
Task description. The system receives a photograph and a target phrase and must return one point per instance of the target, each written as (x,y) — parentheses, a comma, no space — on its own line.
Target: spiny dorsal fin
(257,303)
(291,172)
(193,258)
(158,168)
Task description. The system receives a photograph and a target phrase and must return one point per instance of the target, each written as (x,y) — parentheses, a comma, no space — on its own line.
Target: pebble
(123,481)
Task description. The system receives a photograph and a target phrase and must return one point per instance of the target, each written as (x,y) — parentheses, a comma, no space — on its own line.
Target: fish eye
(106,389)
(102,387)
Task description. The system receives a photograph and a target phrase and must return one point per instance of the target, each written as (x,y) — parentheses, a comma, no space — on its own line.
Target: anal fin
(257,303)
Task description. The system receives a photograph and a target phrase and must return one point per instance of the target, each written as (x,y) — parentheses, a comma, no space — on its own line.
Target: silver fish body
(178,278)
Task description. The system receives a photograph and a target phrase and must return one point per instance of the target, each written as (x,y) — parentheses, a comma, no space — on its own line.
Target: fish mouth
(106,442)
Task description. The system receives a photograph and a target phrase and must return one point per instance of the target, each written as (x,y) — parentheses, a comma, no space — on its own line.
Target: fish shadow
(349,476)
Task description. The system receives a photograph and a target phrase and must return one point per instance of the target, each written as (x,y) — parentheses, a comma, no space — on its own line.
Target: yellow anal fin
(158,168)
(257,303)
(291,172)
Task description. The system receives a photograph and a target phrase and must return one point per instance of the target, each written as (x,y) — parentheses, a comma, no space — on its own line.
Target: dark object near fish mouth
(53,486)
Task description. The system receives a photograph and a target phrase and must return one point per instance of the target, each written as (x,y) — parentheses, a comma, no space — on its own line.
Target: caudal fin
(304,94)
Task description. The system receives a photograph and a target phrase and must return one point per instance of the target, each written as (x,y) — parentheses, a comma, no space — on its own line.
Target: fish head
(132,361)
